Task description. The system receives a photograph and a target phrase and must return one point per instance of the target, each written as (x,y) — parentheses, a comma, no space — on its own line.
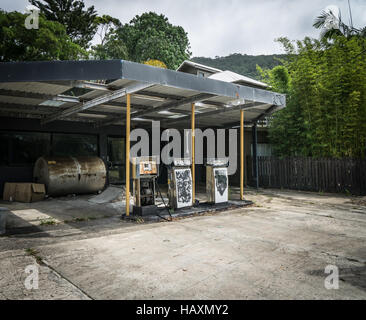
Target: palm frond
(333,26)
(330,25)
(320,21)
(363,32)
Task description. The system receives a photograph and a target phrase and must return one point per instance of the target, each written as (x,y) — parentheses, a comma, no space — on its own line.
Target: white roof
(226,76)
(229,76)
(198,66)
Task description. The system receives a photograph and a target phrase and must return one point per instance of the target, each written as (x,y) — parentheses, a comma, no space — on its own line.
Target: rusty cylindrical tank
(70,175)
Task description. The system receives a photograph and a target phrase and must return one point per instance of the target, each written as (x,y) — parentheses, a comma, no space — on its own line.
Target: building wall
(24,173)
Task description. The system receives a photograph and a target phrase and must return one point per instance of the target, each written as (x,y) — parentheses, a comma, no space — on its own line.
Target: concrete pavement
(276,249)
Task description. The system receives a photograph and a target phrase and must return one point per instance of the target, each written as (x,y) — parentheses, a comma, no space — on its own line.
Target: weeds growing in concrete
(34,253)
(48,222)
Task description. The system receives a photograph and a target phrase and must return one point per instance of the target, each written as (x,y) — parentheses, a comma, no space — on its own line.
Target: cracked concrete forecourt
(276,249)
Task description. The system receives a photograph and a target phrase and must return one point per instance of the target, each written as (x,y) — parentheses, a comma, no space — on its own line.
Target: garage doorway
(116,160)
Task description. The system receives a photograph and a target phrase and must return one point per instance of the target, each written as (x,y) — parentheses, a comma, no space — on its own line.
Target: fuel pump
(144,173)
(217,180)
(180,191)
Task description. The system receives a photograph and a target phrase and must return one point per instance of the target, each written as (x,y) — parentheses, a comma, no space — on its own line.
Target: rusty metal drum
(70,175)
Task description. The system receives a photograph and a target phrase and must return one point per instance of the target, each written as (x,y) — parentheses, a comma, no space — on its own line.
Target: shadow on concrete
(90,213)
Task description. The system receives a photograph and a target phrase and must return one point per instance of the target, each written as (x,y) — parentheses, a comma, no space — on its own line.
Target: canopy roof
(95,91)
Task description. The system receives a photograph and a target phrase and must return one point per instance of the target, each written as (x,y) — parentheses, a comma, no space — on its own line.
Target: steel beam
(42,96)
(165,107)
(236,124)
(267,113)
(178,98)
(26,108)
(171,105)
(35,95)
(28,115)
(97,101)
(160,95)
(19,114)
(46,110)
(215,112)
(93,86)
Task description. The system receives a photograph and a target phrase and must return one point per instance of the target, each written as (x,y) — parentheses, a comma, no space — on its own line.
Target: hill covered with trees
(242,63)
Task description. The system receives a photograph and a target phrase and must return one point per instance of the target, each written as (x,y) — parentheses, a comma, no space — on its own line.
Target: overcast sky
(222,27)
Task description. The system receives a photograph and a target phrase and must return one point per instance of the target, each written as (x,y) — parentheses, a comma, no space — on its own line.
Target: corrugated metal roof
(170,91)
(229,76)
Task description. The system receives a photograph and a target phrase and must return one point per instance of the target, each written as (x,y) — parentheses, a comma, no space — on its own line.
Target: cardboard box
(24,192)
(9,191)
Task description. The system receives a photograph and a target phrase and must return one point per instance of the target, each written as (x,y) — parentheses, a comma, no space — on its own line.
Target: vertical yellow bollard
(241,154)
(193,153)
(128,120)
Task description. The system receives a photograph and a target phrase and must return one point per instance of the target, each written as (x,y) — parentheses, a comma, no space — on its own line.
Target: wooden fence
(327,175)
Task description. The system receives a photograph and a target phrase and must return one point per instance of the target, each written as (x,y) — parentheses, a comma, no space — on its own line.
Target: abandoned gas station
(80,109)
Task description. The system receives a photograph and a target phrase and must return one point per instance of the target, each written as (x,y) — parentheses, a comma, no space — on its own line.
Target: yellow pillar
(193,153)
(128,123)
(241,154)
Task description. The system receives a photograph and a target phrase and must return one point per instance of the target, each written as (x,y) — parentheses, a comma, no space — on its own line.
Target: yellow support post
(241,154)
(128,123)
(193,153)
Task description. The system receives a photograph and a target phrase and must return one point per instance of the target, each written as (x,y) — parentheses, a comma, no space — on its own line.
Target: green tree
(278,78)
(79,22)
(113,48)
(110,45)
(286,126)
(151,36)
(49,42)
(106,25)
(326,103)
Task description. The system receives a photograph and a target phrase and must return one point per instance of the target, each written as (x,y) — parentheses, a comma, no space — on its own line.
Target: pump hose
(166,207)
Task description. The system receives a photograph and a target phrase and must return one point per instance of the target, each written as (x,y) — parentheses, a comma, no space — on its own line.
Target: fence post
(255,157)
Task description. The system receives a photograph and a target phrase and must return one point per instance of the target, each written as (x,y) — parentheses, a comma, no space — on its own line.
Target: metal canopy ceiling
(95,91)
